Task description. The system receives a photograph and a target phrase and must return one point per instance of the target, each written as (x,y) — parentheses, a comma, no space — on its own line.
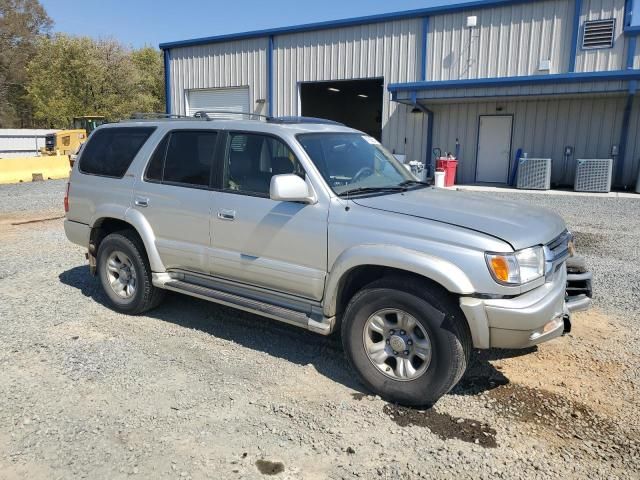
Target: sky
(147,23)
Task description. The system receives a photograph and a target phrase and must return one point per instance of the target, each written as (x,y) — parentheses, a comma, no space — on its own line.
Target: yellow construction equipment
(67,142)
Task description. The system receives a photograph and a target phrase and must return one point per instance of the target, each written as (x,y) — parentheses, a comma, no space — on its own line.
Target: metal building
(554,78)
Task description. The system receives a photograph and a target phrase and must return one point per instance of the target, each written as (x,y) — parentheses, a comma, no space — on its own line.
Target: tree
(22,22)
(74,76)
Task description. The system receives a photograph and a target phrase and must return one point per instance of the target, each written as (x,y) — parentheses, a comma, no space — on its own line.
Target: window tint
(156,164)
(189,157)
(109,152)
(253,159)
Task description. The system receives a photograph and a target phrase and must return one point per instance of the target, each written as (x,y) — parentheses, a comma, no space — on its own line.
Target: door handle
(141,202)
(227,215)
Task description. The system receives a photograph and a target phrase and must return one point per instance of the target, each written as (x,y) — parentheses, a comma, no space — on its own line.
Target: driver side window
(252,159)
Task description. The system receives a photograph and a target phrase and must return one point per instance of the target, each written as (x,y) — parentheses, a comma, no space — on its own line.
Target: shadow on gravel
(482,376)
(281,340)
(251,331)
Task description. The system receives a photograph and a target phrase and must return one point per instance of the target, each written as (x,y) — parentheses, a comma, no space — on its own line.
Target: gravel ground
(194,390)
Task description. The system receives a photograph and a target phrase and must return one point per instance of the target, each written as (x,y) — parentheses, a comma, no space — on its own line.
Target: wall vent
(593,175)
(534,174)
(598,34)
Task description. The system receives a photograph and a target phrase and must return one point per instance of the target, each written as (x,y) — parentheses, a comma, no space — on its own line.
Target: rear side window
(184,157)
(109,152)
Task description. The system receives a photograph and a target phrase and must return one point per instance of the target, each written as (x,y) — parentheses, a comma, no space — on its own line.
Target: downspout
(624,135)
(626,117)
(167,80)
(270,77)
(428,162)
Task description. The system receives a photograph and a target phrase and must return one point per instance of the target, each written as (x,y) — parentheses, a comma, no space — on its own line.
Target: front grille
(556,253)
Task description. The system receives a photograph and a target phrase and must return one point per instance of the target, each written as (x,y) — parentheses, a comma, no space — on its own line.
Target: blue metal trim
(270,77)
(613,75)
(425,52)
(167,80)
(632,31)
(384,17)
(575,35)
(511,95)
(628,12)
(631,52)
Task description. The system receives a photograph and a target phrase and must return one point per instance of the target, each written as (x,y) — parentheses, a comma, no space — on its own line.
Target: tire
(436,315)
(125,248)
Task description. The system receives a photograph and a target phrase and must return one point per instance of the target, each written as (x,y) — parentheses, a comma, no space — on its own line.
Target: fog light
(549,327)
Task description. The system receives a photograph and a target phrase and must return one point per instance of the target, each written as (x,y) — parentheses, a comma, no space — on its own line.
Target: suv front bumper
(521,322)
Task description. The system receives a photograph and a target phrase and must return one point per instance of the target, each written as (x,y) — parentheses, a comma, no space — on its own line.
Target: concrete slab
(485,188)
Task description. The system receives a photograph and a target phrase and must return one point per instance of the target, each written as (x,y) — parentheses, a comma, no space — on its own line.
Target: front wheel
(407,340)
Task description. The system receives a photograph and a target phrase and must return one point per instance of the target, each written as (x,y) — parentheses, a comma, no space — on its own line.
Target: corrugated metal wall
(542,128)
(606,58)
(508,41)
(636,63)
(386,50)
(228,64)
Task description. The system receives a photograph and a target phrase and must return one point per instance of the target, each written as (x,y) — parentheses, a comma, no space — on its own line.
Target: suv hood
(518,224)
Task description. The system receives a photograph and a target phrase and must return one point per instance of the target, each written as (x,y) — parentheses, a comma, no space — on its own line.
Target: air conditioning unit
(593,175)
(534,174)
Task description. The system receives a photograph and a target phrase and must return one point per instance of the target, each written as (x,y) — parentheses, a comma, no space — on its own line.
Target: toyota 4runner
(315,224)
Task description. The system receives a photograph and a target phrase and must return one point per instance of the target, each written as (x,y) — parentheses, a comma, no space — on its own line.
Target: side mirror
(290,188)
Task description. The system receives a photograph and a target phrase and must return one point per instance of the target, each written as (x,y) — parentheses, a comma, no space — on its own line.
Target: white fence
(21,142)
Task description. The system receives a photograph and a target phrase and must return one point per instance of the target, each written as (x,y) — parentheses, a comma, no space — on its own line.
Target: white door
(494,149)
(225,99)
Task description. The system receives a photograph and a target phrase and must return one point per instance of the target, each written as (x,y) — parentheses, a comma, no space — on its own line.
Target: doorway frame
(475,173)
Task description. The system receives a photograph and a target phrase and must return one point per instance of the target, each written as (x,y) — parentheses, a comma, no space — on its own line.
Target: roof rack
(155,115)
(209,115)
(304,120)
(220,114)
(256,116)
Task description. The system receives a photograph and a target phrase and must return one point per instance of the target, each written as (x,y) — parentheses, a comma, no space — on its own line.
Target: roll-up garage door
(226,99)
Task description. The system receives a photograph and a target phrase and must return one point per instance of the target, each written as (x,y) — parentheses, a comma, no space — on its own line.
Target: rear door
(175,197)
(258,241)
(494,148)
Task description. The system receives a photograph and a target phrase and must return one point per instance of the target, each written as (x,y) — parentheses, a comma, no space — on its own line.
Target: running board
(292,317)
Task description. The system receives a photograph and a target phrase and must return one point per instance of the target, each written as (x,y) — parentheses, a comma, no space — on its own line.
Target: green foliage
(74,76)
(22,23)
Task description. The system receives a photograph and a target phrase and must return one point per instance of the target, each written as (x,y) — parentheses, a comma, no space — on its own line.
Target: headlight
(516,268)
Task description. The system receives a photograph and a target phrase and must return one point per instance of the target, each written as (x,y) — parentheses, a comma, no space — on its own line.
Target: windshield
(355,163)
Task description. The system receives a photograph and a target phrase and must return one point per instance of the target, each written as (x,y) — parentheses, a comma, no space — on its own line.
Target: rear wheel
(125,274)
(408,341)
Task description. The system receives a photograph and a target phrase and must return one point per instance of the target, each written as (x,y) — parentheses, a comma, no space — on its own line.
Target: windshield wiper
(411,183)
(359,190)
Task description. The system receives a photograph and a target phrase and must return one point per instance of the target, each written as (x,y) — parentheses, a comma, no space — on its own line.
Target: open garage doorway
(356,103)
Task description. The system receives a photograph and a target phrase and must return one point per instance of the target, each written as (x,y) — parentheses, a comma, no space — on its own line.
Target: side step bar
(324,326)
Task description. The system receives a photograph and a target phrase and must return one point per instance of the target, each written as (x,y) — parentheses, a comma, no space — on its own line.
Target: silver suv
(317,225)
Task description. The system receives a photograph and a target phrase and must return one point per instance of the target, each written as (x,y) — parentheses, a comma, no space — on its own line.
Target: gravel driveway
(195,390)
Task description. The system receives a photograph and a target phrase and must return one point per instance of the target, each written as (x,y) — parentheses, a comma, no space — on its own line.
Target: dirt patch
(267,467)
(444,425)
(580,366)
(568,419)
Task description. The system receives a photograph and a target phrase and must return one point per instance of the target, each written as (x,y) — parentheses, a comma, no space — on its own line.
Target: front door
(175,198)
(258,241)
(494,148)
